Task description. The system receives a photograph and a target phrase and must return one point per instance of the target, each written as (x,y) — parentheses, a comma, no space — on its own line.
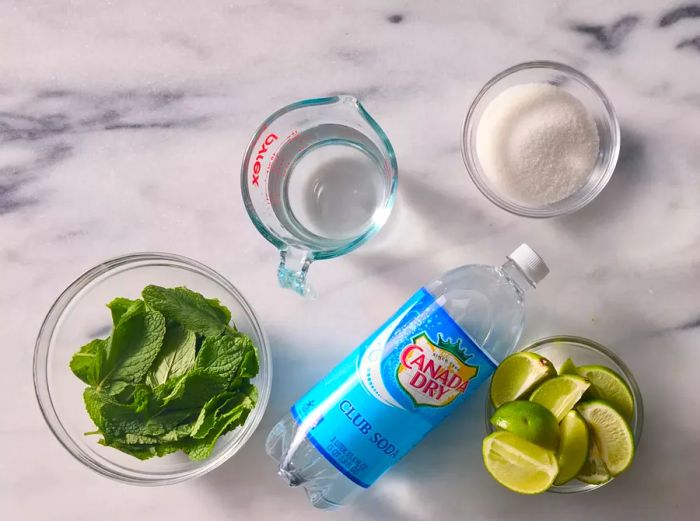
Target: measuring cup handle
(293,268)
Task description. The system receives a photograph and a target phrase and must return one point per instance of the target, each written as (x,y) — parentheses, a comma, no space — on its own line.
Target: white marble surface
(122,128)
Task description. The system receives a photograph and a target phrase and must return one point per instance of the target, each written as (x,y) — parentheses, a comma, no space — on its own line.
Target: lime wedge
(518,464)
(611,433)
(593,470)
(518,375)
(568,367)
(608,386)
(573,447)
(530,421)
(560,394)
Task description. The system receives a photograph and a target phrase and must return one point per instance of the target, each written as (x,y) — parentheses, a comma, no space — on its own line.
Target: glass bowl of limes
(563,415)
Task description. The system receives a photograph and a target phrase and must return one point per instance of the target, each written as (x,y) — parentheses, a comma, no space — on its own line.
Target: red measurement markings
(264,148)
(281,169)
(291,137)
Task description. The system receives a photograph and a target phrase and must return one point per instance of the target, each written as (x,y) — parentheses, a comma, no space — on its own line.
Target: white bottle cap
(530,263)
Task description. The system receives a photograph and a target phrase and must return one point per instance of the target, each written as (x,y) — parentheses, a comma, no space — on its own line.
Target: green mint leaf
(236,383)
(222,311)
(128,425)
(191,391)
(166,389)
(134,423)
(142,452)
(163,449)
(94,400)
(196,313)
(252,393)
(157,432)
(250,365)
(118,420)
(119,306)
(171,424)
(120,391)
(221,356)
(87,363)
(143,399)
(177,434)
(228,356)
(139,396)
(210,413)
(136,341)
(139,439)
(200,449)
(176,357)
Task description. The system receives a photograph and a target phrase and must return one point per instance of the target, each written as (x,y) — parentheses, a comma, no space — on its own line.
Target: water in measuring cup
(330,190)
(441,345)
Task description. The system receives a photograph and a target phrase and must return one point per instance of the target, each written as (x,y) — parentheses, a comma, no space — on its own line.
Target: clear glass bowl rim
(630,380)
(41,367)
(556,209)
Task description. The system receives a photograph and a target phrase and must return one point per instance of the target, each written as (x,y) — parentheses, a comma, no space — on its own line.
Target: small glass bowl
(592,97)
(80,314)
(582,352)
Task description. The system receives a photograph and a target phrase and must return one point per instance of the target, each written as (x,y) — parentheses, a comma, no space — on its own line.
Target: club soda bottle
(401,382)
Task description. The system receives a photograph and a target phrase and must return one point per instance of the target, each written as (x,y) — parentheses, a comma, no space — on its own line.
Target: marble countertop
(122,128)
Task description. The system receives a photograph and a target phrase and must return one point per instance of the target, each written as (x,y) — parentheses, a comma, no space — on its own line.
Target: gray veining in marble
(122,128)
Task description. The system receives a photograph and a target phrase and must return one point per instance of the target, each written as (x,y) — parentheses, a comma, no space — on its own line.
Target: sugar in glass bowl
(80,314)
(596,104)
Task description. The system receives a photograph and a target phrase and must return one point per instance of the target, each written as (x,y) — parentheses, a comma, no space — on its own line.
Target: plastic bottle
(379,402)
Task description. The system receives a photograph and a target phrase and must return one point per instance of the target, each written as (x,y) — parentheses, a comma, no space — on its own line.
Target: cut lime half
(560,394)
(607,385)
(517,375)
(611,433)
(573,447)
(593,471)
(568,367)
(518,464)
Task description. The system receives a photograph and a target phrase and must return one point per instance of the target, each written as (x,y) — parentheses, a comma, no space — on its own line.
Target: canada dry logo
(434,374)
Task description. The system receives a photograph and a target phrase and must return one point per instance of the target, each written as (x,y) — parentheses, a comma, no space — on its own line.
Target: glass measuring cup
(318,180)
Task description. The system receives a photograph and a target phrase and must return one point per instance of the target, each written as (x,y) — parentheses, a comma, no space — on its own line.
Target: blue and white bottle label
(379,402)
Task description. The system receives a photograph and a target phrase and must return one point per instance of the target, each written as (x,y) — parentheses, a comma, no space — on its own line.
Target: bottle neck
(516,276)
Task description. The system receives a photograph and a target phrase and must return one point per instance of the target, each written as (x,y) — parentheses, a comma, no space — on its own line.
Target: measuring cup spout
(351,108)
(293,269)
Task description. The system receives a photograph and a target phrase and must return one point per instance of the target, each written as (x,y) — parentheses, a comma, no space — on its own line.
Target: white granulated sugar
(537,143)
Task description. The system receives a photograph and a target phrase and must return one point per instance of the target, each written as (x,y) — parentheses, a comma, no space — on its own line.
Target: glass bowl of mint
(152,369)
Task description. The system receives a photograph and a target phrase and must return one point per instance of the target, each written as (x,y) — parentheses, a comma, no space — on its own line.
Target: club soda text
(362,425)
